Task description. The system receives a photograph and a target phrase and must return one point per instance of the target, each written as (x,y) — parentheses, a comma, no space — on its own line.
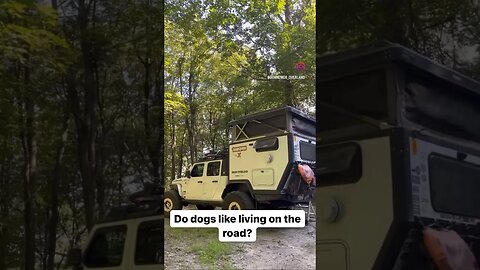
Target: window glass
(339,164)
(213,168)
(266,145)
(197,170)
(106,247)
(454,186)
(363,94)
(149,247)
(307,151)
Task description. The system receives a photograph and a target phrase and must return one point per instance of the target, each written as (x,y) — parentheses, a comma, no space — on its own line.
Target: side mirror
(75,258)
(188,173)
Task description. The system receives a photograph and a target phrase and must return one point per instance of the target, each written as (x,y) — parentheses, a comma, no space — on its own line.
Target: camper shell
(260,132)
(272,123)
(398,149)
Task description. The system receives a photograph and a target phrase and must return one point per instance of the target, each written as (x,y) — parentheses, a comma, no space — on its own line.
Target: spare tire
(171,201)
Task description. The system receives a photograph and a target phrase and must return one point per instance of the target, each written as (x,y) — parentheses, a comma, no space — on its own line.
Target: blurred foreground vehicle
(130,238)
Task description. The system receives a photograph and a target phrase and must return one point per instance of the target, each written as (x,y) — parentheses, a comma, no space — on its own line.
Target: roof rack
(130,211)
(147,202)
(221,154)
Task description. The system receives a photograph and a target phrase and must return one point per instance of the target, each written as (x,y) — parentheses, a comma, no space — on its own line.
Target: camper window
(454,186)
(307,151)
(266,145)
(361,94)
(339,164)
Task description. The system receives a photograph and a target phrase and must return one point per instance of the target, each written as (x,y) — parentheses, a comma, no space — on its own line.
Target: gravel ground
(277,249)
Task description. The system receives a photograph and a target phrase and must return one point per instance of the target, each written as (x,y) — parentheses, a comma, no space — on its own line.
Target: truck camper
(268,164)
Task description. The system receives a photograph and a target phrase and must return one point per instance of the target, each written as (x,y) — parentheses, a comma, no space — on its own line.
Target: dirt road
(195,248)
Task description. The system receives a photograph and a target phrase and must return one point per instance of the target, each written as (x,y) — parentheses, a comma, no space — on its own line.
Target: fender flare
(177,188)
(241,185)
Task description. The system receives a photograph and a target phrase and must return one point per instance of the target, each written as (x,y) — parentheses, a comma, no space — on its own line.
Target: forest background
(87,88)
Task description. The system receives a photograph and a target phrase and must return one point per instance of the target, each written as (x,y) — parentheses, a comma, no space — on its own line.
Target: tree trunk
(191,143)
(191,116)
(227,127)
(153,124)
(173,146)
(289,93)
(3,240)
(86,122)
(180,157)
(83,148)
(394,21)
(158,147)
(29,142)
(288,16)
(4,202)
(211,129)
(53,218)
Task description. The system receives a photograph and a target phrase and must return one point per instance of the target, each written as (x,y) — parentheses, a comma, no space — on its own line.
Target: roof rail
(131,211)
(147,202)
(215,155)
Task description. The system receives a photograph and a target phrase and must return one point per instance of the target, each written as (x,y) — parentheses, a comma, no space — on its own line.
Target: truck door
(106,248)
(193,189)
(149,245)
(212,180)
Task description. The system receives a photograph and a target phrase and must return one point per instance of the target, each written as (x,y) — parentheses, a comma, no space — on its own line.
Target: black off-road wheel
(205,207)
(238,200)
(171,201)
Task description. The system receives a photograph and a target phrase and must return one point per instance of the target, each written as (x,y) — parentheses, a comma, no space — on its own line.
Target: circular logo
(300,66)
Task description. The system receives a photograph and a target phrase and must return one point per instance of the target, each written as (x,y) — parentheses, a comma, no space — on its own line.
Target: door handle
(215,181)
(200,182)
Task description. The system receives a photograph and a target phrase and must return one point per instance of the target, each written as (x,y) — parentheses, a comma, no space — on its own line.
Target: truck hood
(179,180)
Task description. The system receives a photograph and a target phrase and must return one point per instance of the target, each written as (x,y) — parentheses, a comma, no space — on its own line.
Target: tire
(205,207)
(171,201)
(238,200)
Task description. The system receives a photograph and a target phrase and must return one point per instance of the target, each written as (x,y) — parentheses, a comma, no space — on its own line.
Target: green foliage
(174,102)
(212,252)
(43,58)
(446,30)
(218,56)
(28,32)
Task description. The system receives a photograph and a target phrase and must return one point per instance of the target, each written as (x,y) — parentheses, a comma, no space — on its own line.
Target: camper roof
(273,122)
(383,53)
(385,84)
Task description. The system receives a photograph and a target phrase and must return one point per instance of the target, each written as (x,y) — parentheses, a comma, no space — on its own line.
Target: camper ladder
(309,211)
